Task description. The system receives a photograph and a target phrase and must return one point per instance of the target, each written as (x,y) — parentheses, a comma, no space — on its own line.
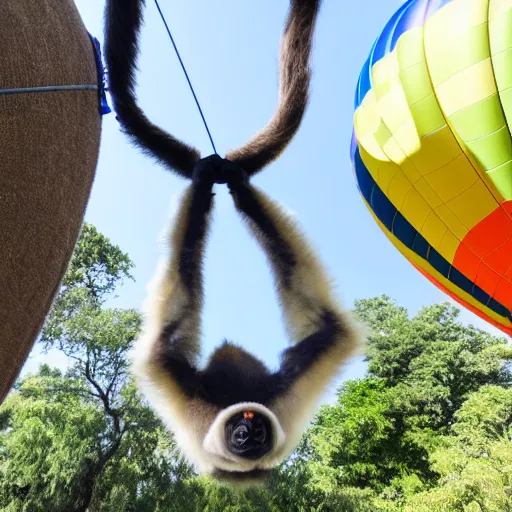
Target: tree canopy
(429,428)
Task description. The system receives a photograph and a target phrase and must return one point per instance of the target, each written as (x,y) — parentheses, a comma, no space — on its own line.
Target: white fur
(199,427)
(215,444)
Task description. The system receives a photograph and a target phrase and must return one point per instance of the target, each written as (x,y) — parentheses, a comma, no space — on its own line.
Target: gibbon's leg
(123,24)
(325,336)
(166,353)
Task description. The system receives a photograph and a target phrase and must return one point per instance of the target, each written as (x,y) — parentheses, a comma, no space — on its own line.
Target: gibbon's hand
(214,169)
(207,171)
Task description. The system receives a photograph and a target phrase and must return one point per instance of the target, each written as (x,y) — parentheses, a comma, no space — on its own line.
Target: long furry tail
(123,22)
(295,76)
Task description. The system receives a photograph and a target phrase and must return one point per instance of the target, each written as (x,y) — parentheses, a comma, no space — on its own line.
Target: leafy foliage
(475,461)
(428,429)
(84,439)
(97,265)
(388,431)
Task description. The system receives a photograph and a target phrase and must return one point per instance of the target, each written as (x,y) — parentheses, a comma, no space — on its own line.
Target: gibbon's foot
(214,169)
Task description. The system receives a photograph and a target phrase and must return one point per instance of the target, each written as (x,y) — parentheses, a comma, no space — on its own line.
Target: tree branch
(97,387)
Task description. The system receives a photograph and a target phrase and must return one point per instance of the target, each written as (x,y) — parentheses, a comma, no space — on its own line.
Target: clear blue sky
(230,49)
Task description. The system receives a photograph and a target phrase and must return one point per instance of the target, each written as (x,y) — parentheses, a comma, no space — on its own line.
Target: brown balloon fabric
(49,145)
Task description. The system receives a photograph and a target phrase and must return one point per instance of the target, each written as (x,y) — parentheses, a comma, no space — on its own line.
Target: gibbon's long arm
(324,335)
(304,289)
(123,22)
(168,352)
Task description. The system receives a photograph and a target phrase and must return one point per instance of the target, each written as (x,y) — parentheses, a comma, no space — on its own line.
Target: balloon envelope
(432,146)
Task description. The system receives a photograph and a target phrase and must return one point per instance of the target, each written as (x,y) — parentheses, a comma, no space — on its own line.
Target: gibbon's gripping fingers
(206,170)
(215,169)
(303,288)
(233,174)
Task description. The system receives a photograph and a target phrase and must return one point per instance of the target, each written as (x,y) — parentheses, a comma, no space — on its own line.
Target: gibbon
(234,419)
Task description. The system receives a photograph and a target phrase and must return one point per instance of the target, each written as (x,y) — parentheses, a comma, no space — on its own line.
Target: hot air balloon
(51,105)
(432,147)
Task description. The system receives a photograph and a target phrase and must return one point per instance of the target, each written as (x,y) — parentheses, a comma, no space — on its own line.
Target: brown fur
(295,76)
(49,144)
(238,356)
(124,21)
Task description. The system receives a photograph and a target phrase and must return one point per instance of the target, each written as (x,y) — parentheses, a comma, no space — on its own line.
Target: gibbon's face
(249,435)
(243,443)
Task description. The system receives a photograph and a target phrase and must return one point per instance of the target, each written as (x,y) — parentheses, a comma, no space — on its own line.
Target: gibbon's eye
(241,434)
(260,434)
(249,435)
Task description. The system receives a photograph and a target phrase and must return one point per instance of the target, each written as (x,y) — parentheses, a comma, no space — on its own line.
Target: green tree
(84,439)
(355,441)
(431,361)
(429,428)
(421,370)
(58,452)
(97,265)
(475,461)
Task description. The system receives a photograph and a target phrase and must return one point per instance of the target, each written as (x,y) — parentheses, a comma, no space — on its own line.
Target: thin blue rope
(186,75)
(51,88)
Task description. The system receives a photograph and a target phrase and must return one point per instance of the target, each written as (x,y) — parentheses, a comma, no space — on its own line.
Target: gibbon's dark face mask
(249,435)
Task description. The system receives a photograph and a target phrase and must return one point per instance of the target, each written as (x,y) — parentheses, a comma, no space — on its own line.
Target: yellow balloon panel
(432,146)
